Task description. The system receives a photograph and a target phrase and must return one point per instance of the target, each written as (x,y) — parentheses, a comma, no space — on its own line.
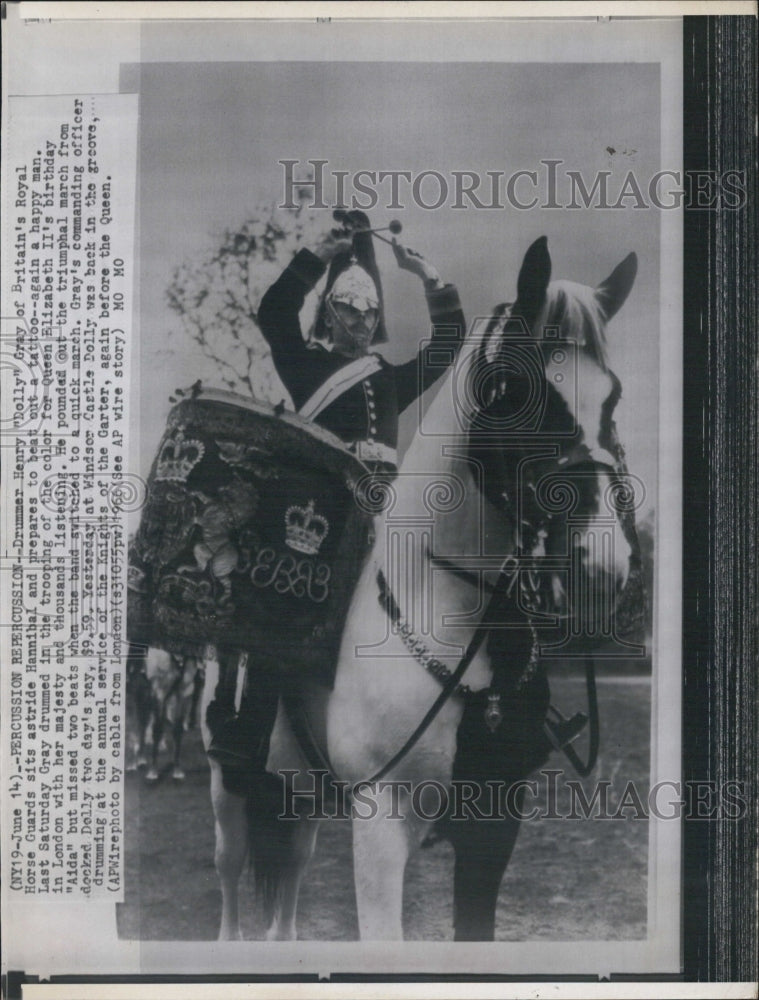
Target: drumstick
(375,233)
(395,227)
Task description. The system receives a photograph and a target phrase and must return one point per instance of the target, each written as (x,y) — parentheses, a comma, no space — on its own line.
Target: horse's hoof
(229,935)
(178,774)
(282,933)
(151,775)
(141,762)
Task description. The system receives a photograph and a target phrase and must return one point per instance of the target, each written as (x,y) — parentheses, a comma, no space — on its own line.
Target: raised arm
(279,311)
(448,328)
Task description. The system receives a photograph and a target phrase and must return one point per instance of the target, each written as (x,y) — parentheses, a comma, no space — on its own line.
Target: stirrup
(561,732)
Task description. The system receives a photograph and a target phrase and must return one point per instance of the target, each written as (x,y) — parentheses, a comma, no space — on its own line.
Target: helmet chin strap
(351,338)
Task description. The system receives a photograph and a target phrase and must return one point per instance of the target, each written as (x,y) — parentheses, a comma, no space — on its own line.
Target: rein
(450,681)
(450,685)
(414,645)
(594,726)
(441,673)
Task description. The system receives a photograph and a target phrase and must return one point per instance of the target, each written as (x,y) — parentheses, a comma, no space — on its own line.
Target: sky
(212,133)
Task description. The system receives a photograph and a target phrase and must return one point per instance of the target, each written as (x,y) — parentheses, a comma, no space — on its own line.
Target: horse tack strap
(493,713)
(318,759)
(414,645)
(313,751)
(584,769)
(449,687)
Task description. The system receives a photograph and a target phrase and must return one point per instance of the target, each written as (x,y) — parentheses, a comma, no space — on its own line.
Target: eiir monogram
(289,575)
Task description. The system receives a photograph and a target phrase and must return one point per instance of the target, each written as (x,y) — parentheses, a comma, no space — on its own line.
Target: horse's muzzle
(596,569)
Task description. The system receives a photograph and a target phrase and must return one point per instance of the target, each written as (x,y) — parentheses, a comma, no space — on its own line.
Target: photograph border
(720,926)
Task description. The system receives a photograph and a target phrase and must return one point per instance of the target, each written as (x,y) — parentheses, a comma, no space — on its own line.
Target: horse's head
(545,436)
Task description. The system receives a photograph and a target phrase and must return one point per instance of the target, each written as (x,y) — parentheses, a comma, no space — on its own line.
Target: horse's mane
(575,310)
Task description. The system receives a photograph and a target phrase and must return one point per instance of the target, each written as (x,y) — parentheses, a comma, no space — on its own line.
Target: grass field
(581,879)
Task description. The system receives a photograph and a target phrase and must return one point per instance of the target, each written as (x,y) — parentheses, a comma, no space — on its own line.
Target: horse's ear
(612,292)
(534,275)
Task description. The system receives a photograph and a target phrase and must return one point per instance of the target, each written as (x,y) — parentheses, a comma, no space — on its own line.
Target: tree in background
(216,296)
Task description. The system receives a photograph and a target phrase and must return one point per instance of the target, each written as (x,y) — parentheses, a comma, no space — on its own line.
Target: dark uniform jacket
(367,413)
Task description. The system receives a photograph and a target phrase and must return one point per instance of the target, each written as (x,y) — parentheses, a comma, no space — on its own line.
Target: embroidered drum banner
(250,537)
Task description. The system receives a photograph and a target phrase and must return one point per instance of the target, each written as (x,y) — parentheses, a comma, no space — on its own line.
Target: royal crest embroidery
(305,530)
(177,592)
(242,455)
(221,549)
(167,523)
(178,457)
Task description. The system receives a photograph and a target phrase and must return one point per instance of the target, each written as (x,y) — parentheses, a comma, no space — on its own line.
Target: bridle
(578,456)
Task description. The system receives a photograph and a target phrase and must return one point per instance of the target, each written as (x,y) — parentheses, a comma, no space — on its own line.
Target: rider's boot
(240,719)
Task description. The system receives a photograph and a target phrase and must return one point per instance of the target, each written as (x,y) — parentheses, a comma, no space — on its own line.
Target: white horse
(516,458)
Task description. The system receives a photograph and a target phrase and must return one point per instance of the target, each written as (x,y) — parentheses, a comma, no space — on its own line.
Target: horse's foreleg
(142,753)
(159,718)
(177,772)
(301,848)
(231,829)
(144,707)
(380,851)
(197,691)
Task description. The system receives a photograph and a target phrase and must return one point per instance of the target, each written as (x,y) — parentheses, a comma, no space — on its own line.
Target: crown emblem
(304,529)
(178,457)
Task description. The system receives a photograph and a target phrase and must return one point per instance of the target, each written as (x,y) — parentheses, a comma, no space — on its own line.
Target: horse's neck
(437,464)
(439,517)
(449,415)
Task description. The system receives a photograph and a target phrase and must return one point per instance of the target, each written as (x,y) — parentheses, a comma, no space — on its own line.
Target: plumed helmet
(357,274)
(355,287)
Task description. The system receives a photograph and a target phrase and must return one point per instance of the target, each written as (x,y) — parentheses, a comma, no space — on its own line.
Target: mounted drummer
(334,377)
(335,380)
